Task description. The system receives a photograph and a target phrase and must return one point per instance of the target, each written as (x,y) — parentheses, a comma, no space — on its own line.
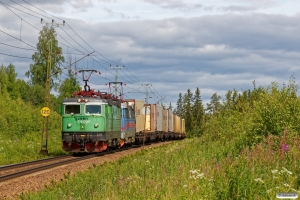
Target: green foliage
(190,108)
(187,108)
(20,131)
(48,52)
(68,86)
(278,109)
(3,80)
(12,87)
(214,106)
(179,108)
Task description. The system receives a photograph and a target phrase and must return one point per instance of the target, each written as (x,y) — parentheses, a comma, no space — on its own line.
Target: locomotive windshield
(72,109)
(93,109)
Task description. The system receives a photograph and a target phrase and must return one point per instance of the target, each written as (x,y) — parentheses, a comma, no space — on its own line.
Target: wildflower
(184,186)
(200,175)
(268,191)
(195,174)
(285,184)
(194,171)
(284,147)
(259,180)
(287,171)
(274,171)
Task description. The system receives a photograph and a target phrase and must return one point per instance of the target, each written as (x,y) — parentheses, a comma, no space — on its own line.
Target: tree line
(260,111)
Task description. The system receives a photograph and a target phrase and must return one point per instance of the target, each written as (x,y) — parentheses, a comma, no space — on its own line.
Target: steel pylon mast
(116,77)
(146,86)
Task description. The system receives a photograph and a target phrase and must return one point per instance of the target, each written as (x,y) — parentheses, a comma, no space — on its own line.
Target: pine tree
(197,111)
(187,108)
(179,104)
(214,106)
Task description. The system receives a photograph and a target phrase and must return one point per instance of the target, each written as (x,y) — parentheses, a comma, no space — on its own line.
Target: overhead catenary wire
(19,9)
(19,16)
(97,58)
(74,32)
(17,38)
(17,47)
(15,56)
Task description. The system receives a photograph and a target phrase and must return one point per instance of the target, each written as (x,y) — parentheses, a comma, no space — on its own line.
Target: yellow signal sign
(45,111)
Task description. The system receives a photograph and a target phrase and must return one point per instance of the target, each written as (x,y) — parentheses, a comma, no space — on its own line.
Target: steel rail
(24,164)
(42,168)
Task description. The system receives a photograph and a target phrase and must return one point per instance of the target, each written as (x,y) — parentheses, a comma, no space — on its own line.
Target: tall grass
(188,169)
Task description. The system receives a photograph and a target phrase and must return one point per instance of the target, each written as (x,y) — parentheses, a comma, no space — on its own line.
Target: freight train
(94,121)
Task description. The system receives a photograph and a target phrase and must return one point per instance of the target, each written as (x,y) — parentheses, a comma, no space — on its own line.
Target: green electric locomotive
(91,121)
(90,124)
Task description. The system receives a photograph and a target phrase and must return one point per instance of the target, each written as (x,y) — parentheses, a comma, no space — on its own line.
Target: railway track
(14,171)
(9,172)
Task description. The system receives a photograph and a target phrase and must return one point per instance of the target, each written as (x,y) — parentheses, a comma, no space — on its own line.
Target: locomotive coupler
(82,145)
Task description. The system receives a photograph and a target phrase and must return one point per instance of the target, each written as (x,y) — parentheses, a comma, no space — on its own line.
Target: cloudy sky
(166,46)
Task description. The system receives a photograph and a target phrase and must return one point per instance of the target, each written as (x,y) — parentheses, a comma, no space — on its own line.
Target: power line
(16,38)
(41,10)
(17,47)
(19,10)
(19,17)
(15,56)
(95,57)
(30,9)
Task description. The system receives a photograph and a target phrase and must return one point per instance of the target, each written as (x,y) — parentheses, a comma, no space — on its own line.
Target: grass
(16,149)
(188,169)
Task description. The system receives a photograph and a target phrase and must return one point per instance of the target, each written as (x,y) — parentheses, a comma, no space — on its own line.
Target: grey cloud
(120,14)
(81,5)
(174,4)
(237,8)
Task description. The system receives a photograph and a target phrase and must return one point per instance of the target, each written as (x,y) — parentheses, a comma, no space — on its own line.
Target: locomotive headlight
(78,100)
(69,125)
(96,125)
(86,100)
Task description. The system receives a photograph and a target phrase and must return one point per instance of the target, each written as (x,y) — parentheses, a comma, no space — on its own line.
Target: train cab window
(72,109)
(93,109)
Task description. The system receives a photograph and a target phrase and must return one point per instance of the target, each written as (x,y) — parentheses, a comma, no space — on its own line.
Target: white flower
(259,180)
(287,185)
(287,171)
(274,171)
(195,174)
(184,186)
(200,175)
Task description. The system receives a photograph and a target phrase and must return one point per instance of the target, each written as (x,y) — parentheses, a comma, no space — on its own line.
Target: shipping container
(183,126)
(150,118)
(164,120)
(177,122)
(159,118)
(170,121)
(138,106)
